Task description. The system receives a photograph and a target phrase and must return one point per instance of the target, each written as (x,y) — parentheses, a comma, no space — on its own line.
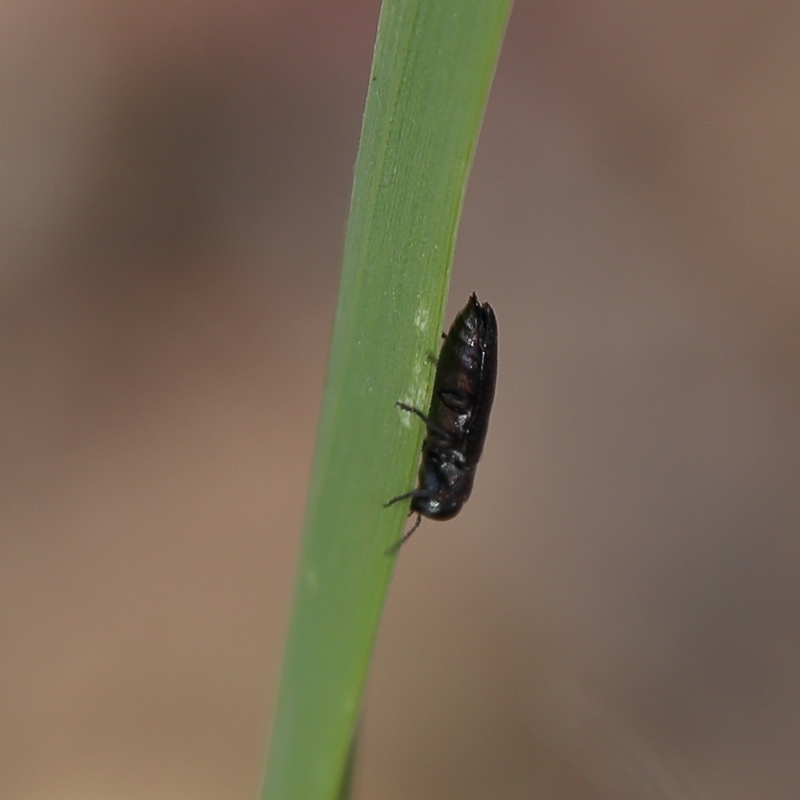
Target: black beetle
(463,391)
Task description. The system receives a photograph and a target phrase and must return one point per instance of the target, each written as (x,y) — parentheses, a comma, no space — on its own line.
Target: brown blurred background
(616,613)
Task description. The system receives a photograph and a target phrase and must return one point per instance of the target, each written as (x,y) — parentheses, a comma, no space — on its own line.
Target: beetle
(458,418)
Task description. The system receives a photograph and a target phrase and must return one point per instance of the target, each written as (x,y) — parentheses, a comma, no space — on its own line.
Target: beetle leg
(406,496)
(429,423)
(456,399)
(404,538)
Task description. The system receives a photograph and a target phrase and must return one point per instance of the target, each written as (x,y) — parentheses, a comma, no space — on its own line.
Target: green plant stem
(431,73)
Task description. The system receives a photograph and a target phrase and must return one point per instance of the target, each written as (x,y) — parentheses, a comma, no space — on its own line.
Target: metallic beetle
(463,391)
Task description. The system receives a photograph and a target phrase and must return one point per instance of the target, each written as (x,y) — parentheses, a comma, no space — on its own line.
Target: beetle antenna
(404,538)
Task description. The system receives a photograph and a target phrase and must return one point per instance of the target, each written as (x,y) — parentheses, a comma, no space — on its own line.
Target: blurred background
(615,614)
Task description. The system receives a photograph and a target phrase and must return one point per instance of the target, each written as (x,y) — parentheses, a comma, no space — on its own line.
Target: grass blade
(431,73)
